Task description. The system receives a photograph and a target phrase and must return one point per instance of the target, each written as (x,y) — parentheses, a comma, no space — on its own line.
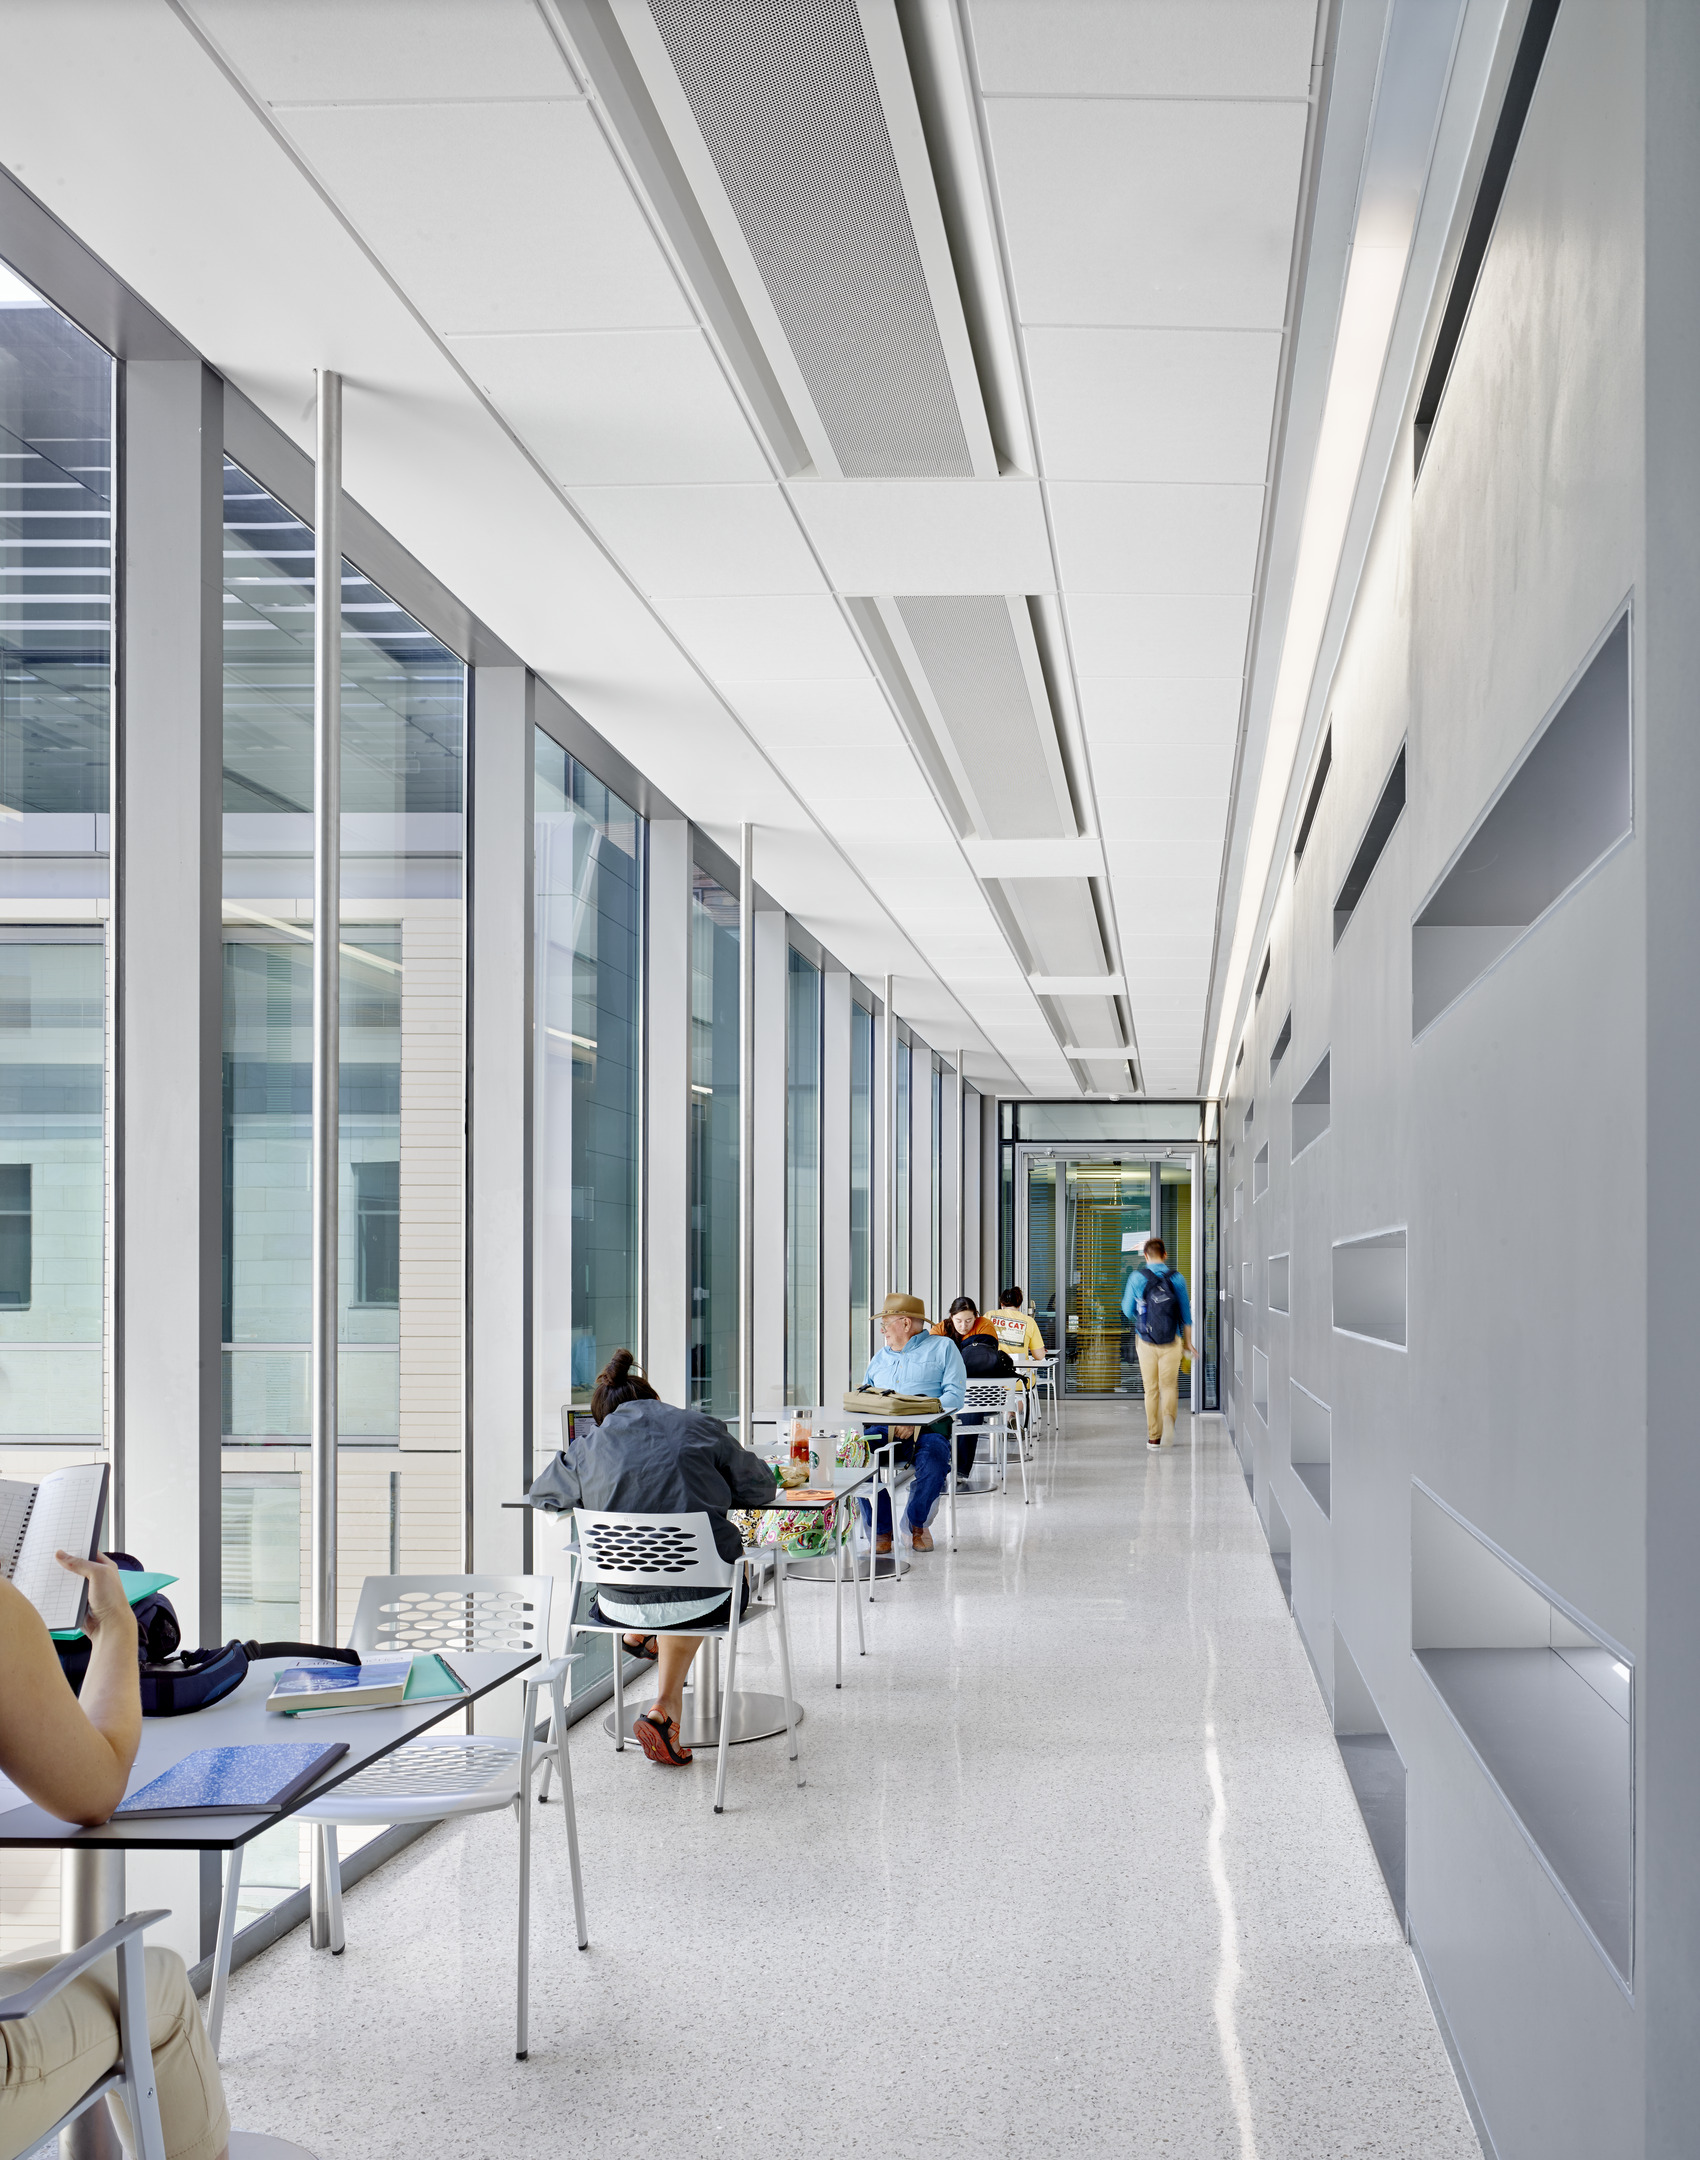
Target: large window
(861,1184)
(401,1298)
(713,1220)
(902,1255)
(802,1180)
(936,1190)
(56,655)
(585,1095)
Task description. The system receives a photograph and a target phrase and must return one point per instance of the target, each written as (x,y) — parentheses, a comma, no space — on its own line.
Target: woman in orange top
(965,1319)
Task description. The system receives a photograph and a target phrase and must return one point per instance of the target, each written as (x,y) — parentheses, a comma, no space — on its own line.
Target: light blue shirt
(926,1365)
(1133,1297)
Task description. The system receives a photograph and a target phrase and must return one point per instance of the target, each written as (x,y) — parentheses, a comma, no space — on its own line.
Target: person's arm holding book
(71,1755)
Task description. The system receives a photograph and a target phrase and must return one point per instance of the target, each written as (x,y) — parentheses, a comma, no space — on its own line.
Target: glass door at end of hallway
(1083,1220)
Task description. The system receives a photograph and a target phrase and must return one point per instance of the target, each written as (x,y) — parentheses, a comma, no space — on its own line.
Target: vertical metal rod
(327,916)
(747,1134)
(886,1128)
(91,1899)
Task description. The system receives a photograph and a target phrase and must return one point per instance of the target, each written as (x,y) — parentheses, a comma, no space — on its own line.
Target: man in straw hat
(916,1363)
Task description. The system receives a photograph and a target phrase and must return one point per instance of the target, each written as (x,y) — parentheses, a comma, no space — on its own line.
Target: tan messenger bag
(881,1403)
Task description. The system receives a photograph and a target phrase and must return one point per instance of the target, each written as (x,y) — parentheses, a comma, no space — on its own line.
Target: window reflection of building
(713,1199)
(585,1096)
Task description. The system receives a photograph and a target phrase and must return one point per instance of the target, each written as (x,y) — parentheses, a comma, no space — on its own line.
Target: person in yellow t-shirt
(1016,1328)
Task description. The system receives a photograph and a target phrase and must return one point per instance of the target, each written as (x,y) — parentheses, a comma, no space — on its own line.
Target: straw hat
(901,1306)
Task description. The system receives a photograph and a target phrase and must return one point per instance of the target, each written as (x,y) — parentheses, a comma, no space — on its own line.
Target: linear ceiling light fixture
(1416,61)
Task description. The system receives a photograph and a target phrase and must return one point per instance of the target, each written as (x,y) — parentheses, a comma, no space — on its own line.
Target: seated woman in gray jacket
(645,1454)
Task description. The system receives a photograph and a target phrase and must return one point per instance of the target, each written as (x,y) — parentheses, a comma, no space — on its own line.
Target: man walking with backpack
(1156,1302)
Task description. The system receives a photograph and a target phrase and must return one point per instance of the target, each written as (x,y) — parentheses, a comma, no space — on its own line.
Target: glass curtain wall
(935,1246)
(57,392)
(401,1298)
(903,1252)
(713,1233)
(861,1184)
(586,1103)
(802,1179)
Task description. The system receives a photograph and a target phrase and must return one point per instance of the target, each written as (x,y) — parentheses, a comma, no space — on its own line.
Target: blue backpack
(1159,1318)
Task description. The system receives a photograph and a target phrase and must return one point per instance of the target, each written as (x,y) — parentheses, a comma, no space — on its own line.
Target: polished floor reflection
(1077,1871)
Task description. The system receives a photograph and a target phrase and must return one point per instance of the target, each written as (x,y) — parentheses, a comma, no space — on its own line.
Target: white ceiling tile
(1138,212)
(767,639)
(699,542)
(1146,778)
(846,792)
(496,217)
(928,536)
(1118,404)
(1181,709)
(1145,48)
(1150,635)
(617,405)
(1177,863)
(1122,537)
(351,51)
(850,715)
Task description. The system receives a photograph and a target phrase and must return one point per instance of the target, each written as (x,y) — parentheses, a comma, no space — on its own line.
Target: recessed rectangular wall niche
(1260,1384)
(1245,1282)
(1239,1355)
(1310,1108)
(1325,758)
(1260,1172)
(1565,806)
(1239,1199)
(1312,1443)
(1281,1042)
(1250,1113)
(1370,1287)
(1545,1704)
(1280,1276)
(1382,821)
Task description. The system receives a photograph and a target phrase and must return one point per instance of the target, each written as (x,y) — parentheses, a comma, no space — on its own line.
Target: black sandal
(644,1647)
(655,1735)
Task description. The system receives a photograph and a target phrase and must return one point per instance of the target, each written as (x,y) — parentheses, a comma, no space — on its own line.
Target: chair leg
(221,1950)
(856,1596)
(838,1604)
(521,2038)
(618,1644)
(570,1810)
(140,2094)
(783,1624)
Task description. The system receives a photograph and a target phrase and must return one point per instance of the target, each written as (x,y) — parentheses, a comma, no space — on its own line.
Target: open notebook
(63,1513)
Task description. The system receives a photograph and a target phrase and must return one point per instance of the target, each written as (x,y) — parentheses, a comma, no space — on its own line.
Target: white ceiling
(434,196)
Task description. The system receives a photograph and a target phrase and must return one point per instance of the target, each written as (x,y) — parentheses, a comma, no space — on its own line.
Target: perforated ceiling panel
(786,100)
(1061,925)
(967,650)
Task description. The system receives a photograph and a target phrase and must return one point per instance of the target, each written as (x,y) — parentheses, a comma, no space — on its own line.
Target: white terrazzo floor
(1077,1871)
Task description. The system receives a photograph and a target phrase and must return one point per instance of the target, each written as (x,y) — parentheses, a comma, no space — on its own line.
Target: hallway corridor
(1077,1871)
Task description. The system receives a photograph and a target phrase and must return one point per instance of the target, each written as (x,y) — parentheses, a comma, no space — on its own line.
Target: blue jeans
(932,1467)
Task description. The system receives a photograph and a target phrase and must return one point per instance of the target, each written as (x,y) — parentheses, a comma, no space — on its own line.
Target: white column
(983,1292)
(501,1442)
(168,1100)
(885,1152)
(667,1047)
(920,1169)
(327,990)
(748,1225)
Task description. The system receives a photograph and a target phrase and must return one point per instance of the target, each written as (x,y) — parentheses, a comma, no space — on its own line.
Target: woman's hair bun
(620,1381)
(616,1369)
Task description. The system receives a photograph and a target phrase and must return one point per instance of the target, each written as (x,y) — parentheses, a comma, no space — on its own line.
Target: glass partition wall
(861,1186)
(802,1179)
(57,391)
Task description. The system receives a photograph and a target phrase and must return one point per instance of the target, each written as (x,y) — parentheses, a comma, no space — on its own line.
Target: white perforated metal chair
(131,2077)
(995,1406)
(675,1552)
(439,1776)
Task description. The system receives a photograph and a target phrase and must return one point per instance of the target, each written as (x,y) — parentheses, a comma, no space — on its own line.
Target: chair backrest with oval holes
(453,1612)
(672,1552)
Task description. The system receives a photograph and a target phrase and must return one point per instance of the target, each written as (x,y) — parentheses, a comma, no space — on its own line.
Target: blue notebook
(234,1780)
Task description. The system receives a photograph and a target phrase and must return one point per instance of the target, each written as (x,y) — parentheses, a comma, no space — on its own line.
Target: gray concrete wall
(1510,1142)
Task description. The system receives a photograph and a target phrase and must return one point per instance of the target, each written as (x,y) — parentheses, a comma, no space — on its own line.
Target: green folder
(138,1584)
(431,1678)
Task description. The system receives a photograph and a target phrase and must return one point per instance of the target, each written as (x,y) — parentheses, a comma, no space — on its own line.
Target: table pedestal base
(256,2145)
(754,1717)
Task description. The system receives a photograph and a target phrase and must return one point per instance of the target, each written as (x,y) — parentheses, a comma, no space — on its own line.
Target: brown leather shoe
(922,1540)
(882,1544)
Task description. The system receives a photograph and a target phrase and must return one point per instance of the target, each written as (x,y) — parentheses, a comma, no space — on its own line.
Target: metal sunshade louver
(785,97)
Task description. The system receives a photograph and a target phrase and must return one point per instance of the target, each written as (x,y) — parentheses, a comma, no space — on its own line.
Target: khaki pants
(47,2062)
(1160,1369)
